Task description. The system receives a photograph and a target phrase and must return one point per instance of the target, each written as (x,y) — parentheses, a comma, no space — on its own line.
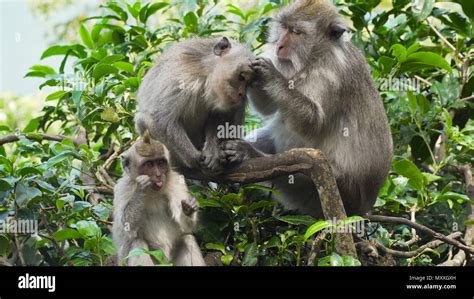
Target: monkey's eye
(242,77)
(148,164)
(161,162)
(295,31)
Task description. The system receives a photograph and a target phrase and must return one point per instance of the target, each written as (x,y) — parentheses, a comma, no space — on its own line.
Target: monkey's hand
(189,206)
(143,182)
(265,72)
(236,151)
(210,162)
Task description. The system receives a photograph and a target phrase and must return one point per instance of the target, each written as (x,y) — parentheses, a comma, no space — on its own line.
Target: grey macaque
(316,91)
(196,86)
(153,209)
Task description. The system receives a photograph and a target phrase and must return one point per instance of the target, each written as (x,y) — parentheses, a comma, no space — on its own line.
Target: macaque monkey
(316,91)
(196,86)
(153,209)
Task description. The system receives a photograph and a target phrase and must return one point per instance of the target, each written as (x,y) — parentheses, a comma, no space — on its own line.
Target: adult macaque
(317,91)
(153,208)
(196,86)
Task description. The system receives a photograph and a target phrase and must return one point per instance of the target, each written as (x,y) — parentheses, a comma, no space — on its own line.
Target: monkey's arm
(189,215)
(134,209)
(261,101)
(210,152)
(304,114)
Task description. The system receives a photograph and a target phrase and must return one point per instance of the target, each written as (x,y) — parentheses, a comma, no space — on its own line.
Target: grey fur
(188,93)
(333,94)
(154,219)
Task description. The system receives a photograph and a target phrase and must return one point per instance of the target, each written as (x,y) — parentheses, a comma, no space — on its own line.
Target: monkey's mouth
(158,185)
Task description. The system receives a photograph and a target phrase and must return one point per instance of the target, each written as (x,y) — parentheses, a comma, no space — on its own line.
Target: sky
(22,41)
(23,38)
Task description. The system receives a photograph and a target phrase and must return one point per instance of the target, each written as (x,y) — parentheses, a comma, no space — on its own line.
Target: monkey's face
(157,169)
(303,32)
(232,73)
(148,157)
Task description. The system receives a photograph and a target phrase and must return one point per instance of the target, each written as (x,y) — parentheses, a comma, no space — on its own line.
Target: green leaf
(107,245)
(332,260)
(422,60)
(32,125)
(109,115)
(118,10)
(191,22)
(399,52)
(422,9)
(124,66)
(214,246)
(56,95)
(227,259)
(24,193)
(409,170)
(75,50)
(316,227)
(102,70)
(66,234)
(349,261)
(153,9)
(40,71)
(250,255)
(297,219)
(467,7)
(132,10)
(88,228)
(5,185)
(86,37)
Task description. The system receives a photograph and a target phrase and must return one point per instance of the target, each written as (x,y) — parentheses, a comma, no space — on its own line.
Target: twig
(415,238)
(59,138)
(423,80)
(453,48)
(18,248)
(409,254)
(427,230)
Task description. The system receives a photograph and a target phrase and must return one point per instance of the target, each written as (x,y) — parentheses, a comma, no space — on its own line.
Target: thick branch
(310,162)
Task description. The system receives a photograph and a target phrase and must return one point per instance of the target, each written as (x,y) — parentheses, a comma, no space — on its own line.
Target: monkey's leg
(141,260)
(187,252)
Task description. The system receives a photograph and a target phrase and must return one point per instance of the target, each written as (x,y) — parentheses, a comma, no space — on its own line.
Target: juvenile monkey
(316,90)
(153,208)
(195,86)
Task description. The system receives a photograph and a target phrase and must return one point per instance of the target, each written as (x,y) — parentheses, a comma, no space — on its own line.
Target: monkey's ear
(146,137)
(337,30)
(222,47)
(125,162)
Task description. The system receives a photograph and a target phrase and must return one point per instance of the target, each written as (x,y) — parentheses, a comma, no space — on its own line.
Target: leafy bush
(65,184)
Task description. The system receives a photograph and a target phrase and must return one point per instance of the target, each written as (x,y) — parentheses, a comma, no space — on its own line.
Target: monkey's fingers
(193,203)
(187,210)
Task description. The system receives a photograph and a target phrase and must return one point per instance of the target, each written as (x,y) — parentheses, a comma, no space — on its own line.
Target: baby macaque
(153,209)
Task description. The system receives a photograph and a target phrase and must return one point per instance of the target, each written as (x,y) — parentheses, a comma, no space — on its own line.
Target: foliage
(47,180)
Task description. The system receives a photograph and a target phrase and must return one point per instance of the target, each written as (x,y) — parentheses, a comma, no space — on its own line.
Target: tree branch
(409,254)
(419,227)
(59,138)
